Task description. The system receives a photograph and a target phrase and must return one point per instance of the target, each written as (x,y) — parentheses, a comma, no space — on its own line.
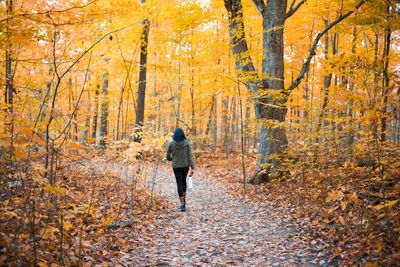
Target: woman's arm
(169,152)
(190,157)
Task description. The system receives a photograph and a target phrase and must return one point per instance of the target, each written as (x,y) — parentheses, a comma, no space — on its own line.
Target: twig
(77,103)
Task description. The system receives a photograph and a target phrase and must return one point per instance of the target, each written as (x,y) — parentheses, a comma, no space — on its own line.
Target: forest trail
(218,230)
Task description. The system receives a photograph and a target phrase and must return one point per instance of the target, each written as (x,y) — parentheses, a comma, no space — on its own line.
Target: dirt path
(218,230)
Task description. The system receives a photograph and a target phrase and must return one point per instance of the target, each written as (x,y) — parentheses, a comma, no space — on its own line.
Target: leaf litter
(218,229)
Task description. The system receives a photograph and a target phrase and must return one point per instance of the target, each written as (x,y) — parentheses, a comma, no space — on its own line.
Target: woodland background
(70,80)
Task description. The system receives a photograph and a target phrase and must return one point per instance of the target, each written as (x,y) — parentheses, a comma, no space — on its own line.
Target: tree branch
(50,11)
(306,64)
(293,9)
(77,102)
(260,5)
(239,45)
(92,46)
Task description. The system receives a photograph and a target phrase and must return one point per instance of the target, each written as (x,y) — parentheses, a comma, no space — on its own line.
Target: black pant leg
(179,183)
(184,175)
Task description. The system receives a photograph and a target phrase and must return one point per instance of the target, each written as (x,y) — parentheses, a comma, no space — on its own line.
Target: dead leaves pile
(87,216)
(340,209)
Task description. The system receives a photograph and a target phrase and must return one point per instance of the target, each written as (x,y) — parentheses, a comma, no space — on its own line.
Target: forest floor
(107,211)
(218,229)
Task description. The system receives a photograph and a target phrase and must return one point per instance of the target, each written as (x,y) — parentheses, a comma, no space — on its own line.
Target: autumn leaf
(19,154)
(67,225)
(380,246)
(26,131)
(389,204)
(334,195)
(73,145)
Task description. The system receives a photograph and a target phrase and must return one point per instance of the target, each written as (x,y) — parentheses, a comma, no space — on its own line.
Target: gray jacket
(180,153)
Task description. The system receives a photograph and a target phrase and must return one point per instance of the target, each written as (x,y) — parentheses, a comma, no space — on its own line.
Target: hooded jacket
(180,153)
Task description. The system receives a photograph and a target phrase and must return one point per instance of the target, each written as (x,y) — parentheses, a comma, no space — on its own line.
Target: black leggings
(180,176)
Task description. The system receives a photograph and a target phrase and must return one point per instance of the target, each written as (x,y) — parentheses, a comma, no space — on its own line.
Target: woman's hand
(191,173)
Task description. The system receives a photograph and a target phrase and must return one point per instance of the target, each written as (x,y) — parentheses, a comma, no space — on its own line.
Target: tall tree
(96,111)
(104,111)
(9,92)
(142,78)
(268,92)
(327,80)
(385,74)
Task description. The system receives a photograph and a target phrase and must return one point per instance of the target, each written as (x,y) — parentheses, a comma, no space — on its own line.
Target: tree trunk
(271,108)
(155,97)
(87,121)
(178,98)
(225,127)
(9,92)
(327,84)
(104,112)
(214,123)
(120,107)
(269,102)
(70,104)
(247,137)
(307,81)
(385,81)
(209,120)
(142,81)
(350,134)
(96,111)
(269,94)
(88,112)
(233,123)
(192,93)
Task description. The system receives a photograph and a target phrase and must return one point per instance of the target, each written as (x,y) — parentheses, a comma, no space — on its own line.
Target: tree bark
(87,121)
(385,81)
(70,102)
(268,100)
(192,94)
(178,95)
(104,112)
(120,106)
(96,111)
(9,93)
(9,89)
(327,83)
(142,81)
(350,134)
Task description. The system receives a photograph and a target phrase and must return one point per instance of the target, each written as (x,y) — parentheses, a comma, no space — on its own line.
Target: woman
(179,152)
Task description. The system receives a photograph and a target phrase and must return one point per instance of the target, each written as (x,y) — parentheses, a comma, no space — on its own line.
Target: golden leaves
(388,204)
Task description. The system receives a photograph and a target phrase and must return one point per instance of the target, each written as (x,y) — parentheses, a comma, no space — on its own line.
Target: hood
(180,144)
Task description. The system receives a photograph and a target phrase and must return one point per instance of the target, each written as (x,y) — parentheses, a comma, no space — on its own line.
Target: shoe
(182,208)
